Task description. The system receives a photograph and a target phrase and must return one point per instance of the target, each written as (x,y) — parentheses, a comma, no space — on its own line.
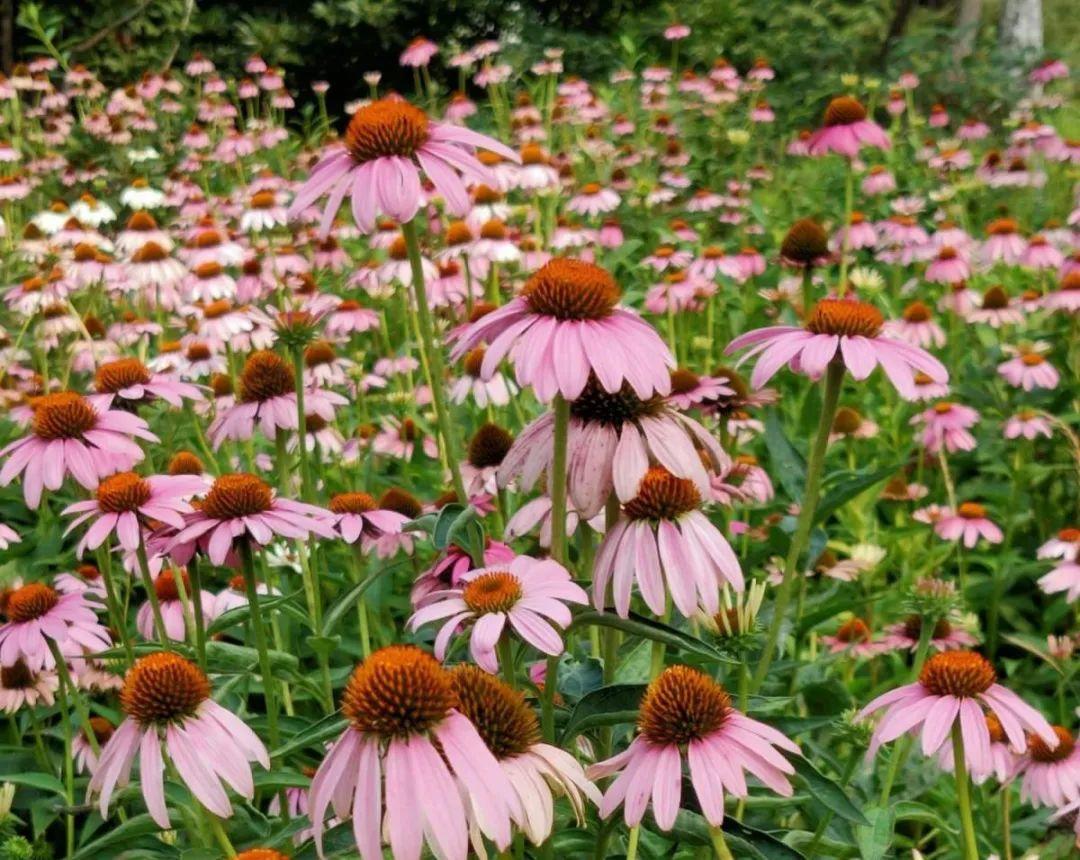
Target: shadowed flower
(687,713)
(387,145)
(1051,773)
(528,595)
(846,129)
(169,712)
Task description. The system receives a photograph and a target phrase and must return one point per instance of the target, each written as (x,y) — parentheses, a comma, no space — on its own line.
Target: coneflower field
(525,464)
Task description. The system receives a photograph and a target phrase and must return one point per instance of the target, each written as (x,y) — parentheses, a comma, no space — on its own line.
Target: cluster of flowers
(211,345)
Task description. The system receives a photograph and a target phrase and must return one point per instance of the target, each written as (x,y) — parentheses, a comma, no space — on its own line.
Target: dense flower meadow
(567,468)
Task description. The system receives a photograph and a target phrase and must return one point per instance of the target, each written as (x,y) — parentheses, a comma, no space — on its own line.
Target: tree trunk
(896,27)
(1020,31)
(7,35)
(967,27)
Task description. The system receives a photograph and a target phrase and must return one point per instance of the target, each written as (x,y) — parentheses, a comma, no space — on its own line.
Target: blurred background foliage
(811,43)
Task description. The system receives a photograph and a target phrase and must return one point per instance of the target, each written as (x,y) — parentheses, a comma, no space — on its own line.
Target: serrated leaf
(826,792)
(616,703)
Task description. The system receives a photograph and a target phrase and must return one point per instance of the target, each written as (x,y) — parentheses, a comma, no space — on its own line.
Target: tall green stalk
(247,566)
(963,795)
(834,378)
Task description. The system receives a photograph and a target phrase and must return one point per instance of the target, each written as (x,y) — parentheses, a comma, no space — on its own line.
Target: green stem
(151,593)
(216,827)
(834,379)
(506,660)
(849,196)
(69,768)
(301,419)
(963,795)
(197,609)
(720,844)
(807,291)
(269,680)
(557,480)
(632,842)
(547,699)
(1006,822)
(434,363)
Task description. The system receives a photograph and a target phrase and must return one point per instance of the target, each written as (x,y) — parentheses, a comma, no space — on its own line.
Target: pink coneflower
(685,712)
(945,425)
(688,389)
(1064,545)
(846,129)
(528,595)
(1004,764)
(565,325)
(169,712)
(1004,243)
(1028,424)
(447,572)
(949,267)
(398,438)
(350,317)
(537,771)
(23,687)
(131,383)
(662,538)
(70,434)
(1051,773)
(845,328)
(418,52)
(1063,578)
(878,180)
(172,607)
(357,516)
(37,614)
(745,481)
(953,689)
(1028,369)
(267,398)
(1040,254)
(594,199)
(496,390)
(666,257)
(240,506)
(996,309)
(387,144)
(1067,297)
(945,636)
(399,703)
(968,523)
(917,327)
(612,439)
(853,638)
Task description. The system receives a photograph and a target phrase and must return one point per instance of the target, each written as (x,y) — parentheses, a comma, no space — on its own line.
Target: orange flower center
(1032,359)
(63,415)
(123,492)
(473,361)
(151,252)
(398,691)
(263,200)
(853,631)
(1002,227)
(320,352)
(185,463)
(913,627)
(662,496)
(352,503)
(237,495)
(493,229)
(805,242)
(847,421)
(496,591)
(971,511)
(501,716)
(569,289)
(30,602)
(682,705)
(217,309)
(844,110)
(163,688)
(198,352)
(957,673)
(387,127)
(265,375)
(683,380)
(401,502)
(1041,752)
(489,446)
(917,312)
(165,586)
(16,676)
(995,299)
(848,317)
(120,374)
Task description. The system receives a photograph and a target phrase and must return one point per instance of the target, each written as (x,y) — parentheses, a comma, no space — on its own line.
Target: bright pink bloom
(720,750)
(1063,578)
(528,595)
(846,130)
(565,325)
(447,572)
(374,771)
(125,501)
(1029,370)
(838,329)
(968,524)
(1051,773)
(957,686)
(1065,545)
(37,614)
(388,143)
(240,506)
(946,636)
(70,434)
(170,713)
(945,425)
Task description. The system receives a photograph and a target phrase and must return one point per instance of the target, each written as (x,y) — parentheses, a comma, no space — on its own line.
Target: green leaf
(874,840)
(744,841)
(440,532)
(639,625)
(229,659)
(326,728)
(139,825)
(787,463)
(240,614)
(844,492)
(41,781)
(826,792)
(617,703)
